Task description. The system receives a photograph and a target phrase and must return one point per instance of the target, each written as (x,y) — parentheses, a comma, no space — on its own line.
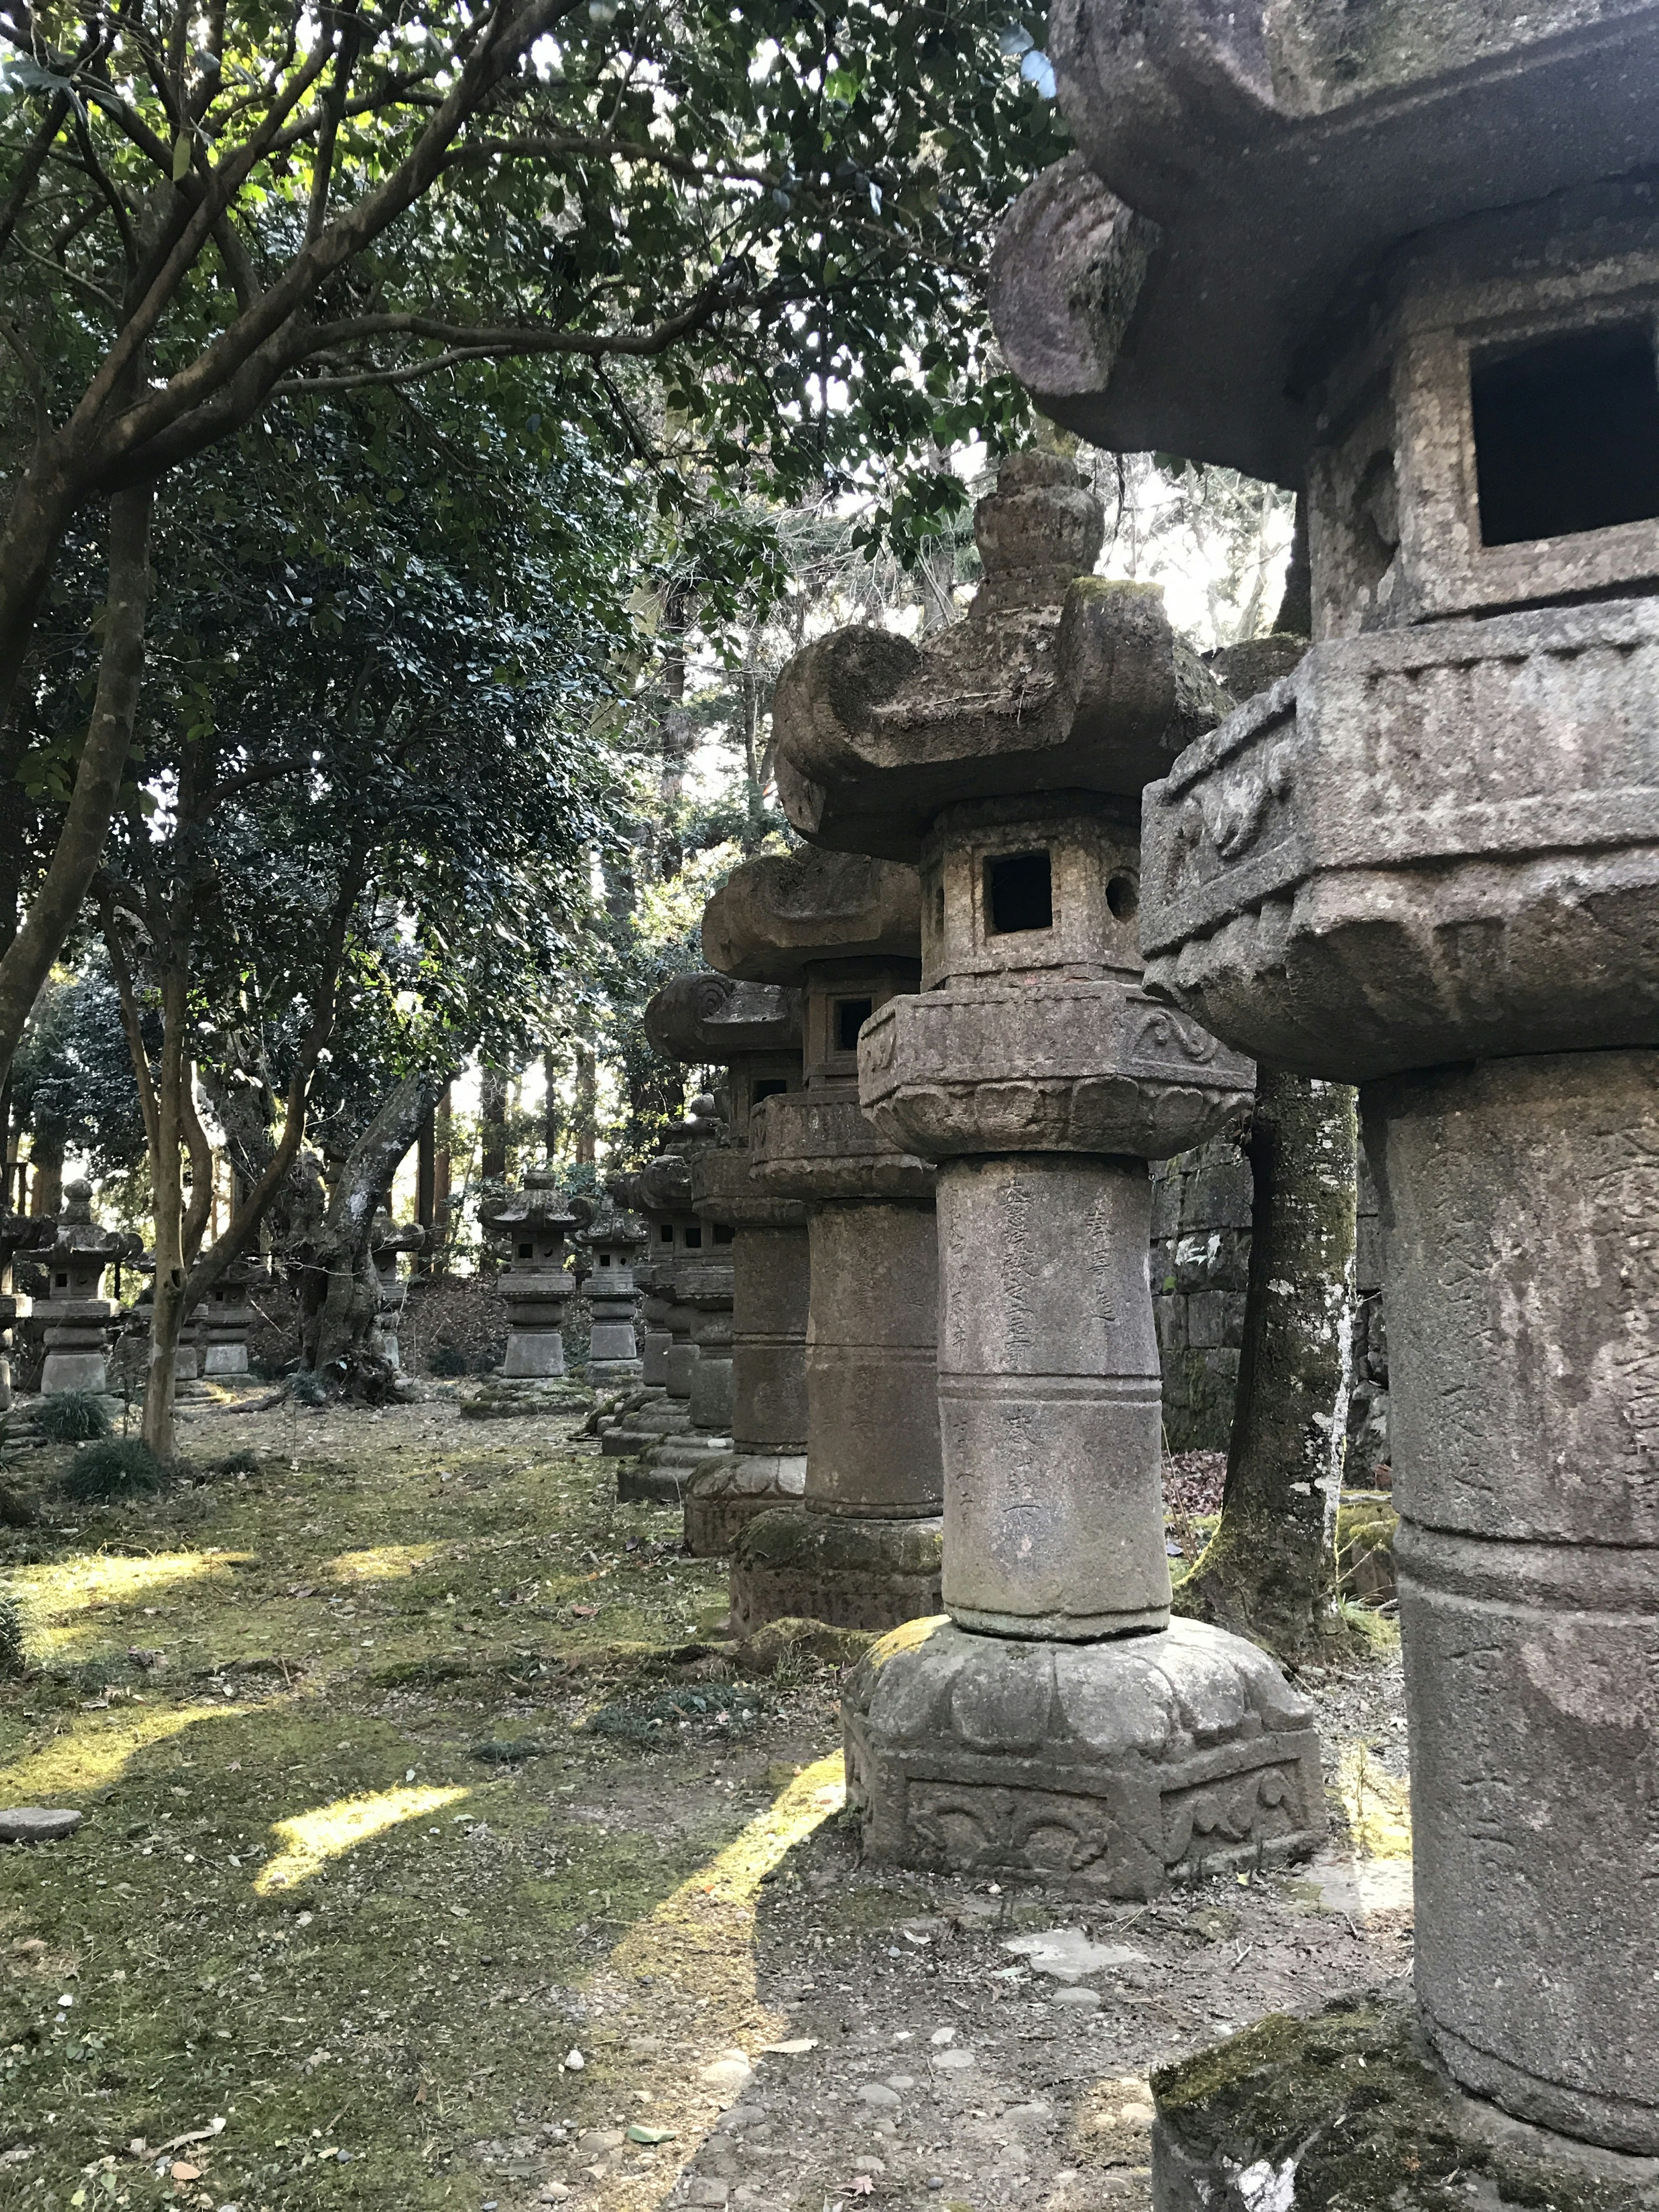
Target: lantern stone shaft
(1007,756)
(865,1553)
(753,1030)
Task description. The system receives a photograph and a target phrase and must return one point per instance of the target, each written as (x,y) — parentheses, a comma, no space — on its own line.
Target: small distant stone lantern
(1048,1727)
(690,1278)
(612,1239)
(227,1318)
(754,1031)
(533,1223)
(1412,269)
(386,1244)
(865,1552)
(77,1319)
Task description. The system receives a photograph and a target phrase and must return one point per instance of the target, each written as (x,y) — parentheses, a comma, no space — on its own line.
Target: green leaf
(181,157)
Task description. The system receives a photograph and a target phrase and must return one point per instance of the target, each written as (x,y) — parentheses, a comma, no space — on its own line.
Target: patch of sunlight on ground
(56,1594)
(384,1564)
(95,1752)
(1377,1804)
(314,1839)
(702,1937)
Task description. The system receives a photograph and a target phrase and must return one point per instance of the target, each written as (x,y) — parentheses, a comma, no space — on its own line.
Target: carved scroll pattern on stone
(1162,1035)
(1231,810)
(1220,1816)
(1048,1832)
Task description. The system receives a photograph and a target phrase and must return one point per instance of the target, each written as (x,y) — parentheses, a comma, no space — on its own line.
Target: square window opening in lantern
(1019,893)
(1566,434)
(851,1015)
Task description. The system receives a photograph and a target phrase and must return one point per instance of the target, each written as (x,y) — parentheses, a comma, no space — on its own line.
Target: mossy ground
(318,1898)
(300,1902)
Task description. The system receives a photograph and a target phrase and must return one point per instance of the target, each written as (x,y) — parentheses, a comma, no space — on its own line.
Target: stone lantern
(690,1274)
(386,1244)
(865,1553)
(1415,273)
(610,1239)
(533,1223)
(19,1233)
(77,1319)
(753,1030)
(227,1318)
(1057,1722)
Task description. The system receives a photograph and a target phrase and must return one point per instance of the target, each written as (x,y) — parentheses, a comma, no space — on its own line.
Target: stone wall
(1201,1263)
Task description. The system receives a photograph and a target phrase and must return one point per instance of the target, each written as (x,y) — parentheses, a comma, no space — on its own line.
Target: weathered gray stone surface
(753,1029)
(1425,845)
(1165,287)
(75,1320)
(872,1434)
(1113,1767)
(1059,681)
(1427,862)
(1007,753)
(37,1824)
(1048,1399)
(1519,1211)
(535,1285)
(610,1242)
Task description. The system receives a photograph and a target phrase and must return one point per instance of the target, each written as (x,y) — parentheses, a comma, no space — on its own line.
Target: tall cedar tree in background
(205,214)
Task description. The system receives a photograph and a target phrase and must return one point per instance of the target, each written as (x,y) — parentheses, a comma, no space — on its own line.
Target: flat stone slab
(37,1824)
(1068,1954)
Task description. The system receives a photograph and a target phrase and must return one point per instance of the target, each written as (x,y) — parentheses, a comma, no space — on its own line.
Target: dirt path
(419,1870)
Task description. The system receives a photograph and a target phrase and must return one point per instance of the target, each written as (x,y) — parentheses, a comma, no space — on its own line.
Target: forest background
(426,437)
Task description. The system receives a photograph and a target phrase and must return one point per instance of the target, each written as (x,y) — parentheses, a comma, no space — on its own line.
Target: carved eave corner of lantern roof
(1239,171)
(706,1018)
(609,1220)
(781,914)
(1097,693)
(664,1185)
(538,1207)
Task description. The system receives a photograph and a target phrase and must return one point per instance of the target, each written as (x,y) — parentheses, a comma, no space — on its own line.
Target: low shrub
(446,1359)
(307,1387)
(122,1467)
(72,1417)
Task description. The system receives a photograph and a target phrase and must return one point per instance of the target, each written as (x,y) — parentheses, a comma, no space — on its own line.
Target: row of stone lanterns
(1416,276)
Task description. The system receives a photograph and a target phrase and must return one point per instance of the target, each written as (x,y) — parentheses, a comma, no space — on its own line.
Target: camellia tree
(365,799)
(207,213)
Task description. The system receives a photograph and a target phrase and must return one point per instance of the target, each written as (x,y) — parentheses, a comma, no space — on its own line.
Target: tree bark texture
(351,1293)
(1270,1571)
(492,1117)
(27,959)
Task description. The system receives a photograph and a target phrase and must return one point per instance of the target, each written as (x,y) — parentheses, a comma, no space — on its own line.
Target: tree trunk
(425,1183)
(552,1113)
(492,1115)
(350,1300)
(166,1173)
(587,1114)
(46,1156)
(442,1131)
(1269,1573)
(27,959)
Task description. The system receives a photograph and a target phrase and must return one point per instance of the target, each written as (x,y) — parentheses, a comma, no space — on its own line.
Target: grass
(357,1874)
